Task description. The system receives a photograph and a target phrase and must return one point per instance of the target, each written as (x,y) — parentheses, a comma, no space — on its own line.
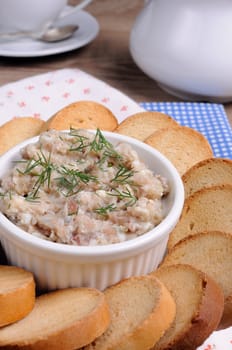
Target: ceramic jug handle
(73,9)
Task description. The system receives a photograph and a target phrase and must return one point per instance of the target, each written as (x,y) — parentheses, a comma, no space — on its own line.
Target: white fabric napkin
(43,95)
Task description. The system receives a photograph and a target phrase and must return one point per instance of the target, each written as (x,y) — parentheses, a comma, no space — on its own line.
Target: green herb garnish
(71,180)
(99,142)
(105,210)
(123,175)
(80,142)
(5,194)
(126,194)
(43,177)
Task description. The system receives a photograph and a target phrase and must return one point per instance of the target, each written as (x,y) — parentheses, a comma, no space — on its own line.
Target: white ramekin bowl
(58,265)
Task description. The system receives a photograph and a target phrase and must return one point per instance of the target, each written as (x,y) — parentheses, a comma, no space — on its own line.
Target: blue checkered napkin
(208,118)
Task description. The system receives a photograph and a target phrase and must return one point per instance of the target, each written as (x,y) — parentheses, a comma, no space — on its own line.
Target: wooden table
(107,57)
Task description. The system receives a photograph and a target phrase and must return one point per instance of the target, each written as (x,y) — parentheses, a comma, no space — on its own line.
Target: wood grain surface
(107,57)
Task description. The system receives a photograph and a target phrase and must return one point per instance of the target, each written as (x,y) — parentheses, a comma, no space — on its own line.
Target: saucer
(26,47)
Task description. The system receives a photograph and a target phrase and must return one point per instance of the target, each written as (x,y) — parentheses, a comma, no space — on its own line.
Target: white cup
(33,16)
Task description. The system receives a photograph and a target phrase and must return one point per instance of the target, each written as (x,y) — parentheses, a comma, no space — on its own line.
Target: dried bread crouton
(17,294)
(17,130)
(142,309)
(143,124)
(182,145)
(199,306)
(209,252)
(82,115)
(207,173)
(64,319)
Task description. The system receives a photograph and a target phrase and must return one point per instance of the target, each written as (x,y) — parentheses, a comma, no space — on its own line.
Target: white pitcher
(186,46)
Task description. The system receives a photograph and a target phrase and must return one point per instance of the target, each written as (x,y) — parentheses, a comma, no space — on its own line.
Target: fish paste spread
(77,188)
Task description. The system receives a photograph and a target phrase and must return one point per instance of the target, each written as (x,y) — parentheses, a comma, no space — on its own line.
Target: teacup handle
(73,9)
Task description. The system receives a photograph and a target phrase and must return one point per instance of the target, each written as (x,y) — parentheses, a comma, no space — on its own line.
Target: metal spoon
(52,34)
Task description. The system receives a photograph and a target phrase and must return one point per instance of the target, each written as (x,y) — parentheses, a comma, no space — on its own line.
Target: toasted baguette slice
(82,115)
(199,307)
(143,124)
(17,294)
(141,310)
(61,320)
(18,130)
(210,252)
(206,210)
(182,145)
(207,173)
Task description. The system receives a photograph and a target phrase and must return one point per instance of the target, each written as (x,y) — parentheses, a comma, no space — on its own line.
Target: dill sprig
(105,210)
(106,149)
(99,142)
(124,194)
(43,177)
(123,175)
(5,194)
(81,142)
(31,164)
(71,179)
